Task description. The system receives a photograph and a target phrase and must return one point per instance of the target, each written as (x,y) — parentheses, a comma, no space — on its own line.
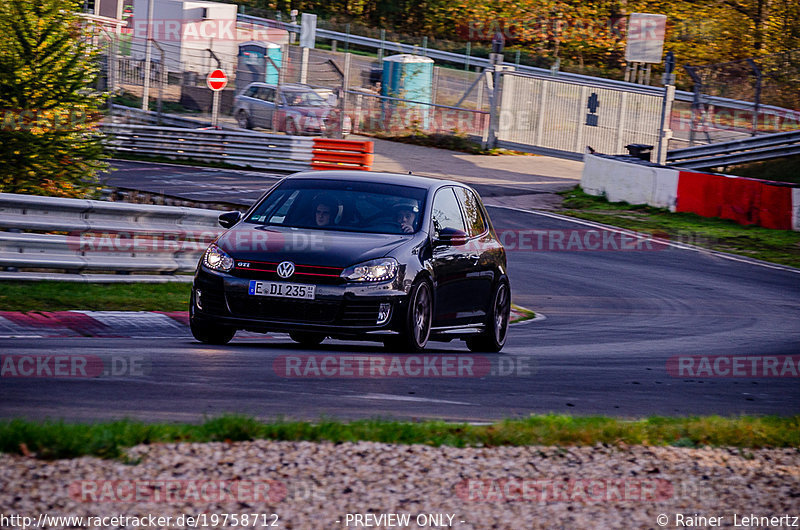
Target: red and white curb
(123,324)
(116,324)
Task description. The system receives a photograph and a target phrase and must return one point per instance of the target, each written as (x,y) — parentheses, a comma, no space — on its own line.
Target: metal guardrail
(244,149)
(456,58)
(134,116)
(737,151)
(101,236)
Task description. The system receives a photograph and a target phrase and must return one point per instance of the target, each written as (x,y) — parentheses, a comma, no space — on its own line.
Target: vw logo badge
(285,269)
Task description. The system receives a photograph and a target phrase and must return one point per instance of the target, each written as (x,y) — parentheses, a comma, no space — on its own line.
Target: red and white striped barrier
(744,200)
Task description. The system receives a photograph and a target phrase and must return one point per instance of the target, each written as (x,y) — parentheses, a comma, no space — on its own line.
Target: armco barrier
(342,154)
(746,201)
(245,149)
(101,236)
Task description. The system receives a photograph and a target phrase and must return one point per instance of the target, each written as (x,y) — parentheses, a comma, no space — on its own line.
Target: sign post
(308,37)
(216,81)
(645,44)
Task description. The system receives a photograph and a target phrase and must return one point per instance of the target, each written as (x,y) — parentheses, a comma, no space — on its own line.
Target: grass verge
(50,440)
(777,246)
(63,296)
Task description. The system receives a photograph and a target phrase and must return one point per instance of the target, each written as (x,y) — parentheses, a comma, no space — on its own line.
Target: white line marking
(392,397)
(682,246)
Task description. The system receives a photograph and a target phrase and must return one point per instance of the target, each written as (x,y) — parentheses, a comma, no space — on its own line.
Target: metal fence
(759,80)
(562,118)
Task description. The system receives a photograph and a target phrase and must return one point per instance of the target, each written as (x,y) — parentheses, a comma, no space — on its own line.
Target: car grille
(315,274)
(359,314)
(304,311)
(283,310)
(213,301)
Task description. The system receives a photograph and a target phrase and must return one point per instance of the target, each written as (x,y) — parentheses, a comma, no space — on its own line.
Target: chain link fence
(763,81)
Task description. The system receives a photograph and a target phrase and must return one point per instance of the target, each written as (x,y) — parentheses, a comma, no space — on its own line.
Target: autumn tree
(49,144)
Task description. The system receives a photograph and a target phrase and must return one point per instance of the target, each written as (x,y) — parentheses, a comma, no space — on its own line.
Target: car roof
(400,179)
(283,85)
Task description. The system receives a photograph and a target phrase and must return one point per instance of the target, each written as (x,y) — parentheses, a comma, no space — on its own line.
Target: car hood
(306,246)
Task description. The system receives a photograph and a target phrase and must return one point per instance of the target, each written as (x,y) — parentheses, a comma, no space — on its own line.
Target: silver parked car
(291,108)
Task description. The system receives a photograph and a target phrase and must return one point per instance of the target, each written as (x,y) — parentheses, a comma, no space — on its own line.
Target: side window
(446,212)
(476,225)
(266,94)
(251,91)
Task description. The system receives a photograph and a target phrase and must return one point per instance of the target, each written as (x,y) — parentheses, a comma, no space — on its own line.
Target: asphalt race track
(613,320)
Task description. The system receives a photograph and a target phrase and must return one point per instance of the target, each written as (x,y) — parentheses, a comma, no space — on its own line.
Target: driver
(325,209)
(406,215)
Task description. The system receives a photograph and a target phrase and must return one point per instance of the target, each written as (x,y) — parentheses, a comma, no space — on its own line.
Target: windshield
(303,98)
(341,205)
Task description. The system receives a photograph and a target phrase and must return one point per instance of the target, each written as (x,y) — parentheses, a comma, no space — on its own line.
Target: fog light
(197,294)
(383,313)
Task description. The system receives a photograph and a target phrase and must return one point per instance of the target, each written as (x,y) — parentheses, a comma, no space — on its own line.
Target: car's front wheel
(210,333)
(494,338)
(307,338)
(417,325)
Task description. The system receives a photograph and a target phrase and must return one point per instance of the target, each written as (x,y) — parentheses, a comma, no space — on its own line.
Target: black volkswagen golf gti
(346,254)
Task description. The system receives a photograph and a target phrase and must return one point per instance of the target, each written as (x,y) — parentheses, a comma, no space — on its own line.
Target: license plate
(281,289)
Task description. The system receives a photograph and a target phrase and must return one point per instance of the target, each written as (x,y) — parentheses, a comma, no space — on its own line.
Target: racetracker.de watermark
(349,366)
(565,490)
(178,491)
(73,366)
(712,366)
(577,240)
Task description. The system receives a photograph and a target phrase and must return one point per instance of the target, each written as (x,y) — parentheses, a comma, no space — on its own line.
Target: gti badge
(285,269)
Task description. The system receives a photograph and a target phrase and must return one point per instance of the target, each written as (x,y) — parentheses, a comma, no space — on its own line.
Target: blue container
(274,53)
(409,77)
(253,66)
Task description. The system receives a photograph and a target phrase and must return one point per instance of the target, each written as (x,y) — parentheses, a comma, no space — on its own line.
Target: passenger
(406,215)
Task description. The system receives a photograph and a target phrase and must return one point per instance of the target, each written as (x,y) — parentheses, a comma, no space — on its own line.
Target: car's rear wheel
(494,338)
(307,338)
(243,120)
(417,325)
(210,333)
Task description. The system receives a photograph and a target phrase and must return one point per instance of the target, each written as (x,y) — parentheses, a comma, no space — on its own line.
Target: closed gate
(560,118)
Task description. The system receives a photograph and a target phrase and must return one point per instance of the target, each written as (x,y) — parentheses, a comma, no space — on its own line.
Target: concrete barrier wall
(744,200)
(634,183)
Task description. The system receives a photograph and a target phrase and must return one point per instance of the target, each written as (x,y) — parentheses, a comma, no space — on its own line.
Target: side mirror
(228,219)
(452,237)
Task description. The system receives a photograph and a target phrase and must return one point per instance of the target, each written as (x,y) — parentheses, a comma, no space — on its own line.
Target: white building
(194,35)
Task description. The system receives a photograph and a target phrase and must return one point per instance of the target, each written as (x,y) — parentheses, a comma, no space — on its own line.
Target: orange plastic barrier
(746,201)
(329,153)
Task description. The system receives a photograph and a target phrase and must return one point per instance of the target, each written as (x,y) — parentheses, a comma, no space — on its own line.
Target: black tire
(418,319)
(209,333)
(494,338)
(243,120)
(307,338)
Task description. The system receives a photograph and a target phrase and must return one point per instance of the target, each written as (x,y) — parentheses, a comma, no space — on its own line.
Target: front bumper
(345,310)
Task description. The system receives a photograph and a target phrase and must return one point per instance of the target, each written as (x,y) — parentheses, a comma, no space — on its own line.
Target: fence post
(757,102)
(343,99)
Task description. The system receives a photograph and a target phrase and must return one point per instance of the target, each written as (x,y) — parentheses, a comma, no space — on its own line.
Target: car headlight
(376,270)
(217,259)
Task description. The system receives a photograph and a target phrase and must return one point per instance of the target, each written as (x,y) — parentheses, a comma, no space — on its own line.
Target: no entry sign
(217,80)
